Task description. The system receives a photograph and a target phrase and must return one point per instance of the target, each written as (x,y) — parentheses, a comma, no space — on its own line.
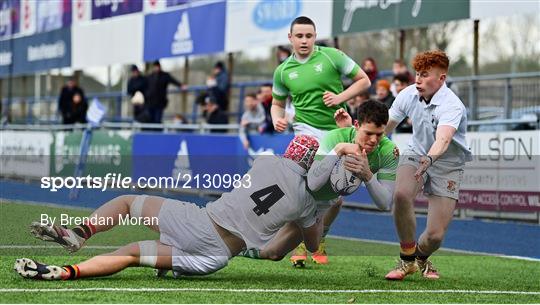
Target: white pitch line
(53,247)
(331,236)
(453,291)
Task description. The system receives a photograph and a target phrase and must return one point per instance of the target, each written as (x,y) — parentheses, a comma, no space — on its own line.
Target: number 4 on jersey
(271,194)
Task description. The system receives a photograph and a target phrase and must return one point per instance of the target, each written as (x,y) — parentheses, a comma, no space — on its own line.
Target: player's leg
(286,239)
(321,257)
(443,192)
(300,254)
(149,253)
(404,218)
(104,218)
(440,213)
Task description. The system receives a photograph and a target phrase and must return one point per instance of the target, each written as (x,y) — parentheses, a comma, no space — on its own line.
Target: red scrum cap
(302,150)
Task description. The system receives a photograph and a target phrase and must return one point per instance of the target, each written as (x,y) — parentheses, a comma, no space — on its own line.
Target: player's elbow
(384,205)
(312,183)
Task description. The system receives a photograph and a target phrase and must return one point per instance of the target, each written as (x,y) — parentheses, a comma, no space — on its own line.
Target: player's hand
(342,149)
(331,99)
(424,163)
(244,123)
(280,124)
(359,166)
(396,152)
(343,119)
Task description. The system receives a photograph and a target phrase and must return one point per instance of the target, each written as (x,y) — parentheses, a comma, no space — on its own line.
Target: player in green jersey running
(312,77)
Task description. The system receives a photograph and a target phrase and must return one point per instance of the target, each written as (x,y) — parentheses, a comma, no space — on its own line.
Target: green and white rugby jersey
(307,81)
(382,161)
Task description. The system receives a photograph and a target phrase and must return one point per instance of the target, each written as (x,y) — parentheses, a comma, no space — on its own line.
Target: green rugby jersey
(382,161)
(306,82)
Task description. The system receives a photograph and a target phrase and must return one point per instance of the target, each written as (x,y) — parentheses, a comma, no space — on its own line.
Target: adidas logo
(182,38)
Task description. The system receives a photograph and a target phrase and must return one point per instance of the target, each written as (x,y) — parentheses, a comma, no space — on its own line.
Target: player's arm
(361,83)
(390,126)
(396,113)
(448,124)
(277,112)
(381,191)
(279,97)
(346,66)
(443,137)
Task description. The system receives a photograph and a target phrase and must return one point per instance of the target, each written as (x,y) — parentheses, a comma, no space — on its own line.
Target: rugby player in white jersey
(194,240)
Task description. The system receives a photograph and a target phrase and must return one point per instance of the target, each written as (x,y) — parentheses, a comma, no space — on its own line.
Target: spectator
(355,102)
(400,82)
(213,114)
(72,103)
(282,54)
(383,93)
(218,85)
(156,94)
(265,97)
(137,85)
(370,67)
(179,120)
(253,118)
(399,67)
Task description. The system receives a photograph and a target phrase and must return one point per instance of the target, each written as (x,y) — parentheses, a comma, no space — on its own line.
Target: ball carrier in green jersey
(312,77)
(371,156)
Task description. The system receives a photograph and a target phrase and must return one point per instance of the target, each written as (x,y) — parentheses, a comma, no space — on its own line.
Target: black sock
(407,258)
(419,255)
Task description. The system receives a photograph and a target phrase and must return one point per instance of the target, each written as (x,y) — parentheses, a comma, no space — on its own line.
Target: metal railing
(134,126)
(487,97)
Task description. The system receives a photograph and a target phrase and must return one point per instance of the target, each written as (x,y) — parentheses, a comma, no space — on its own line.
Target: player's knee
(273,256)
(276,257)
(130,250)
(434,237)
(338,203)
(401,197)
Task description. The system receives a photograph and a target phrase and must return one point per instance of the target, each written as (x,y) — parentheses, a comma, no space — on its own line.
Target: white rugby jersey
(445,108)
(277,195)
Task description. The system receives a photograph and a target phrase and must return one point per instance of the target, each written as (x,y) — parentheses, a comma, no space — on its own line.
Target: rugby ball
(343,181)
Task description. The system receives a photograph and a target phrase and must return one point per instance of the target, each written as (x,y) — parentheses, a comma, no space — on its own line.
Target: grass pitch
(355,274)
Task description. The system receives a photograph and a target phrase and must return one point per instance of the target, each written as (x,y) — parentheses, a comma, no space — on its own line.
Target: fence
(488,97)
